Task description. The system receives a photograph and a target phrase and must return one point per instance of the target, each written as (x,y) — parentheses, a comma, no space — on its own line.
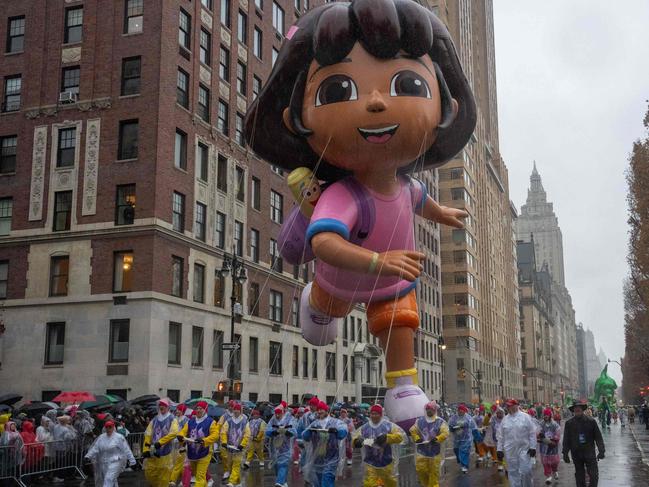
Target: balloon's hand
(402,263)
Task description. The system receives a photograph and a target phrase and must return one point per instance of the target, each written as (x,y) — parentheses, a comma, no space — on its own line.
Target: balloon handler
(364,94)
(429,432)
(158,450)
(200,433)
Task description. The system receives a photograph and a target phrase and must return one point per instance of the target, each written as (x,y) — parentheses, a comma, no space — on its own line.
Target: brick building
(124,181)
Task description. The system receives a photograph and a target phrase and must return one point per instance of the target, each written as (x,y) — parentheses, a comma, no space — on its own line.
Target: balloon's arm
(443,214)
(338,252)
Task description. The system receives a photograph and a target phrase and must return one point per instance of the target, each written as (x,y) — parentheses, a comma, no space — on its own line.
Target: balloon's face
(372,114)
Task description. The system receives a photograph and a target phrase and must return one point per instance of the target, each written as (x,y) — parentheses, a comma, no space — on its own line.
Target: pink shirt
(393,229)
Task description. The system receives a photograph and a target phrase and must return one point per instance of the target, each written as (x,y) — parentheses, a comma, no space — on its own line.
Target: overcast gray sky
(573,77)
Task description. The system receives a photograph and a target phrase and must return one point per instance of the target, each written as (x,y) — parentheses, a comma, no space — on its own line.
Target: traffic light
(238,387)
(223,386)
(461,373)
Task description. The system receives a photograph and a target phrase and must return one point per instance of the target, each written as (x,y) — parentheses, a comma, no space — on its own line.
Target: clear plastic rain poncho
(109,454)
(516,435)
(490,435)
(325,450)
(281,446)
(11,450)
(427,429)
(462,428)
(381,456)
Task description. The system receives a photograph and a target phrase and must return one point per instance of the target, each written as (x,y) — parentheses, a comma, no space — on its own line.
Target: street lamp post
(478,379)
(502,382)
(442,346)
(231,263)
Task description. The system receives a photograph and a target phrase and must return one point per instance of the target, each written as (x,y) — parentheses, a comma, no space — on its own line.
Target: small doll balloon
(365,94)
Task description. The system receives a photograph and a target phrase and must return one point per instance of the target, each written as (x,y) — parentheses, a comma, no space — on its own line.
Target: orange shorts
(400,312)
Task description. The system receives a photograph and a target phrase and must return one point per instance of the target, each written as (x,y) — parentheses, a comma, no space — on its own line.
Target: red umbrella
(75,397)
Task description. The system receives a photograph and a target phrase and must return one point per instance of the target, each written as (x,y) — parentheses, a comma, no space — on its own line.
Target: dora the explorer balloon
(365,93)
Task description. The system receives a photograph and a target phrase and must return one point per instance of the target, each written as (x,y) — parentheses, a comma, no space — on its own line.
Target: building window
(175,343)
(131,76)
(123,272)
(275,56)
(62,210)
(276,206)
(16,34)
(253,299)
(204,103)
(314,363)
(295,312)
(225,13)
(220,230)
(305,362)
(297,5)
(238,238)
(276,262)
(278,18)
(133,17)
(352,368)
(205,53)
(197,346)
(199,283)
(185,30)
(6,213)
(118,342)
(275,358)
(217,349)
(54,343)
(222,122)
(259,4)
(275,312)
(13,86)
(254,245)
(128,139)
(331,366)
(70,79)
(125,204)
(202,159)
(224,64)
(257,38)
(345,369)
(8,147)
(67,147)
(238,129)
(256,87)
(255,200)
(177,276)
(242,28)
(73,25)
(4,278)
(253,355)
(178,209)
(59,271)
(182,89)
(180,150)
(222,173)
(241,184)
(207,4)
(241,79)
(201,219)
(219,289)
(296,361)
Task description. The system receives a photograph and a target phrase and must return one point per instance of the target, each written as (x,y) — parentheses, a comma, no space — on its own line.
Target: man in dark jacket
(579,438)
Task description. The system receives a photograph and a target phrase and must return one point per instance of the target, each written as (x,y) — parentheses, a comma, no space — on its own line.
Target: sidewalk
(641,437)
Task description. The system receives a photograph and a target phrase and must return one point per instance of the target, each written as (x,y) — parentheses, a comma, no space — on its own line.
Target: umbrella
(364,405)
(34,408)
(101,400)
(74,397)
(192,402)
(215,411)
(148,398)
(10,399)
(4,407)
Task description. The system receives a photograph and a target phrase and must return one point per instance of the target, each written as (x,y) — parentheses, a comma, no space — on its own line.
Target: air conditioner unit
(66,97)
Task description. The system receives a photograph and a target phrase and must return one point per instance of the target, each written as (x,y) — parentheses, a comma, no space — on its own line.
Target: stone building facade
(125,182)
(480,298)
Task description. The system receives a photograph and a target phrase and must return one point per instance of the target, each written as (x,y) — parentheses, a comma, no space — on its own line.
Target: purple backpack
(292,242)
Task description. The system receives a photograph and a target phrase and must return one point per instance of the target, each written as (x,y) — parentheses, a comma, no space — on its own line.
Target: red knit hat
(201,404)
(511,402)
(109,423)
(532,412)
(314,401)
(431,405)
(322,405)
(236,406)
(547,412)
(255,412)
(182,408)
(462,408)
(376,408)
(279,409)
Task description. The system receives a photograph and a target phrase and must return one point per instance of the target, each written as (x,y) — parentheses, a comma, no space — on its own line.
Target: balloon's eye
(335,89)
(409,83)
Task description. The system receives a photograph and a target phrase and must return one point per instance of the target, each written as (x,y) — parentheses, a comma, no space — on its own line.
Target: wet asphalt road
(626,464)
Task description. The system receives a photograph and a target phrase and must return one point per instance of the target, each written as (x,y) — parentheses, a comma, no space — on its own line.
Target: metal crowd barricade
(59,456)
(136,443)
(10,459)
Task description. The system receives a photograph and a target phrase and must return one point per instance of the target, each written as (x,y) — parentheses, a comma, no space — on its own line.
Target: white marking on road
(642,454)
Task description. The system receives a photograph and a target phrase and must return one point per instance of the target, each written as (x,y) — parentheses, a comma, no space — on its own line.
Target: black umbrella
(10,399)
(34,408)
(148,398)
(4,408)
